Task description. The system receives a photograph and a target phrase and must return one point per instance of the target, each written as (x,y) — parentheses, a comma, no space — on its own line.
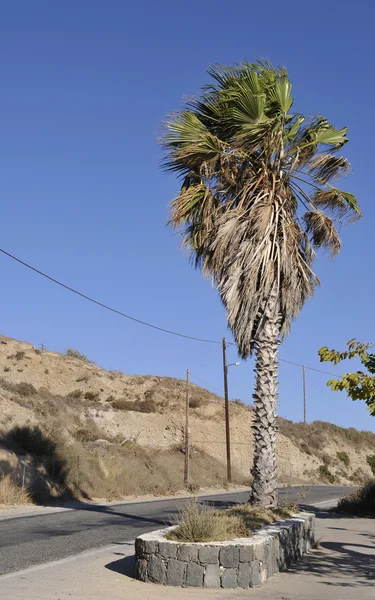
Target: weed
(316,544)
(46,371)
(6,369)
(82,378)
(19,355)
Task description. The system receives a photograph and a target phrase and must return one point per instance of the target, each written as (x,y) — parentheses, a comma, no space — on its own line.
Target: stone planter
(239,563)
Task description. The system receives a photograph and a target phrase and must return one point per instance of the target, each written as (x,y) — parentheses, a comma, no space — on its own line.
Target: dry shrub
(73,353)
(82,378)
(25,389)
(197,402)
(11,493)
(201,523)
(6,369)
(89,432)
(361,502)
(91,396)
(74,395)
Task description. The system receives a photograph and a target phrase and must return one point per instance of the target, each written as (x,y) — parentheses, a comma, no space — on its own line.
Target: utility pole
(304,393)
(187,433)
(227,429)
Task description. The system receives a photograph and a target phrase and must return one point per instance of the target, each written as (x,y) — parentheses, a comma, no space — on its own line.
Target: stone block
(246,554)
(194,575)
(229,578)
(258,550)
(212,576)
(255,573)
(141,569)
(243,577)
(156,569)
(229,556)
(187,553)
(208,555)
(176,572)
(167,550)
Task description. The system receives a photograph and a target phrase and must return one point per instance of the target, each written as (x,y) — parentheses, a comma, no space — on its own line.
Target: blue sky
(85,85)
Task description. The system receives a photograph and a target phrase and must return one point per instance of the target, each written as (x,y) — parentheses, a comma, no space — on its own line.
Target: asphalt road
(36,539)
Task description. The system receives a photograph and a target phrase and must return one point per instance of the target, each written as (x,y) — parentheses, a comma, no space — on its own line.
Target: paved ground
(343,568)
(36,539)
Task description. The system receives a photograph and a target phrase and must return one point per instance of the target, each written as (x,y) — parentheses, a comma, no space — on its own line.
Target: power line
(114,310)
(310,368)
(126,316)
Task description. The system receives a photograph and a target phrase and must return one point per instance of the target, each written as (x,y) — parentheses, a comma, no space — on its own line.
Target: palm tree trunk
(264,470)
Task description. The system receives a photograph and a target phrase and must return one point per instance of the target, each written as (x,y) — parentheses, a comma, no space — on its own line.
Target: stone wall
(245,562)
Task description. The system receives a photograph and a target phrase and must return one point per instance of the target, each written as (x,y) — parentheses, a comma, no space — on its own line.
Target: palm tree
(256,201)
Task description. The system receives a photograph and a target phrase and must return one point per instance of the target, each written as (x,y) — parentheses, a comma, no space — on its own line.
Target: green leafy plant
(344,457)
(357,385)
(325,474)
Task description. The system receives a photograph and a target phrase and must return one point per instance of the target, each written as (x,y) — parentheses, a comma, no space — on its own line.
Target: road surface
(37,539)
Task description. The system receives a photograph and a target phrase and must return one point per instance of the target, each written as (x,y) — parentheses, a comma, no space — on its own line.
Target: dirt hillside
(105,425)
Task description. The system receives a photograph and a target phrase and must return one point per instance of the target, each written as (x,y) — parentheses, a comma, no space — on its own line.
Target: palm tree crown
(257,196)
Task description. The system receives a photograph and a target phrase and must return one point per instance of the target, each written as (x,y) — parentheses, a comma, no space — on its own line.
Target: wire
(118,312)
(310,368)
(114,310)
(208,384)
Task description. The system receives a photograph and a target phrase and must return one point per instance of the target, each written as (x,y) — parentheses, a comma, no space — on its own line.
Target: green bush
(325,474)
(371,462)
(344,457)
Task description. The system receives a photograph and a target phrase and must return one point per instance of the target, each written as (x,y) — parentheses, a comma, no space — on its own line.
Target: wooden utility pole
(187,433)
(227,427)
(304,393)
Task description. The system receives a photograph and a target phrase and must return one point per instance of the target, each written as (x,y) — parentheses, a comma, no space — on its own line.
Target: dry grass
(200,523)
(11,494)
(361,502)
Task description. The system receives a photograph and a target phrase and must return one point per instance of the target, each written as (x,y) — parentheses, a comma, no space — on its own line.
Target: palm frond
(322,231)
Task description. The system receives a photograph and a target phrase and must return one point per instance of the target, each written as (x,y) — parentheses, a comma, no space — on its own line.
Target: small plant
(37,351)
(370,459)
(46,371)
(344,457)
(325,474)
(72,353)
(82,378)
(19,355)
(238,402)
(316,544)
(110,398)
(6,369)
